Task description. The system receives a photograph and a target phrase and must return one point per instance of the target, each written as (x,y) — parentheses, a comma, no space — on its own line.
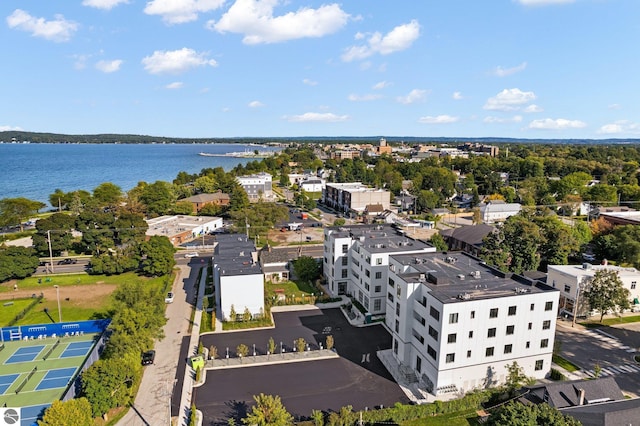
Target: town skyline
(522,69)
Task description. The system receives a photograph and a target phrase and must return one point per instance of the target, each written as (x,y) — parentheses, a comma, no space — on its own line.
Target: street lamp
(58,297)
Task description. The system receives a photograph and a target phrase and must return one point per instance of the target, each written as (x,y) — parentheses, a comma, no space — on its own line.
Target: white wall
(242,291)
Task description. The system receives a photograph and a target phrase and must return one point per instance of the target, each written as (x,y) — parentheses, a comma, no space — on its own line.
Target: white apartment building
(237,276)
(356,260)
(354,197)
(258,186)
(457,323)
(572,280)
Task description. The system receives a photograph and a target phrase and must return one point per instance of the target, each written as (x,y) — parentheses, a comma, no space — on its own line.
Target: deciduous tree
(605,292)
(306,268)
(268,411)
(14,211)
(75,411)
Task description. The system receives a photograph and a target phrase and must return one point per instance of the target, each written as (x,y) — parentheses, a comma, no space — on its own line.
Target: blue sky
(231,68)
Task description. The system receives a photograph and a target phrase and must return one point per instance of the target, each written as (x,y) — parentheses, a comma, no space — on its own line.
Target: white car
(191,255)
(169,298)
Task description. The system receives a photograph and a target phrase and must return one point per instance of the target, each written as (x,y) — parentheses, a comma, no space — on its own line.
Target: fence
(53,330)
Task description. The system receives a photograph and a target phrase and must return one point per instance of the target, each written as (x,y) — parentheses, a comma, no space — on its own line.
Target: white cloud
(109,66)
(614,106)
(364,98)
(180,11)
(10,128)
(509,100)
(381,85)
(457,96)
(175,85)
(57,30)
(557,124)
(175,61)
(439,119)
(414,96)
(309,82)
(502,120)
(255,19)
(104,4)
(542,2)
(316,116)
(255,104)
(533,108)
(400,38)
(504,72)
(620,126)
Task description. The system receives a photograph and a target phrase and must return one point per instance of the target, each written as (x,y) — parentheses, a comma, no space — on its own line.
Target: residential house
(467,238)
(493,211)
(199,201)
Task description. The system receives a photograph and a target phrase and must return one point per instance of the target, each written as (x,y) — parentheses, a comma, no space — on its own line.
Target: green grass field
(10,308)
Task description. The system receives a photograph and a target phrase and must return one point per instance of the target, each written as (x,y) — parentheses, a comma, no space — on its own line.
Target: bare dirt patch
(84,296)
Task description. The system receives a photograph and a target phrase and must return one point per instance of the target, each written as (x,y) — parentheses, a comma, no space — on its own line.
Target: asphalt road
(357,378)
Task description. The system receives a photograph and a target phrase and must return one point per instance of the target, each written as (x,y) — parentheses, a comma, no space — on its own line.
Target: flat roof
(589,269)
(173,225)
(378,238)
(459,277)
(236,254)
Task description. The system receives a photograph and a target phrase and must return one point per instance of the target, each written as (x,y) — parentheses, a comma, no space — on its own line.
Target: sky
(534,69)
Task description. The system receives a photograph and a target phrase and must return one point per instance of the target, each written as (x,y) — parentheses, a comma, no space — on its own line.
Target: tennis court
(77,349)
(58,378)
(25,354)
(6,381)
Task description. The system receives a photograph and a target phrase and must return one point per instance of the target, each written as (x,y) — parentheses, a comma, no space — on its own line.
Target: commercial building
(457,323)
(354,197)
(493,211)
(572,280)
(237,276)
(258,186)
(180,229)
(356,260)
(199,201)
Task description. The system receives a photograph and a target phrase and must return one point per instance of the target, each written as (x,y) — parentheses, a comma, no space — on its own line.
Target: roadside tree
(306,268)
(17,262)
(75,411)
(58,226)
(518,414)
(268,411)
(157,256)
(14,211)
(605,292)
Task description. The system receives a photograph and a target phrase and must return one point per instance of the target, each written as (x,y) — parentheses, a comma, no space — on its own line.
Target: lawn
(462,418)
(566,364)
(67,280)
(10,308)
(611,321)
(290,288)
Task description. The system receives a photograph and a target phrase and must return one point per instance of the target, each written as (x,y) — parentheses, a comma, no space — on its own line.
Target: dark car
(67,262)
(148,357)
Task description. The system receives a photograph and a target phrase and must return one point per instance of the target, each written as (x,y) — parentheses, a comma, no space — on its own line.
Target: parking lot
(357,378)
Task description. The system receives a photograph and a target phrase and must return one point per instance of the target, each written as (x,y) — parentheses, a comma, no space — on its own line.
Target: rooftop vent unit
(464,296)
(422,278)
(450,259)
(475,274)
(586,266)
(461,277)
(520,290)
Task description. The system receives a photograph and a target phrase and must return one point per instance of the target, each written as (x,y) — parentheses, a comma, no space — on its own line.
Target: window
(345,260)
(567,288)
(390,297)
(493,313)
(367,273)
(451,338)
(539,364)
(510,329)
(399,292)
(451,358)
(532,307)
(508,349)
(345,247)
(468,354)
(489,351)
(435,314)
(512,310)
(377,305)
(546,324)
(378,288)
(453,318)
(345,273)
(491,332)
(397,328)
(633,285)
(544,343)
(417,317)
(395,346)
(391,282)
(432,352)
(418,364)
(397,309)
(471,334)
(378,261)
(473,314)
(367,286)
(530,326)
(548,306)
(433,333)
(378,275)
(527,345)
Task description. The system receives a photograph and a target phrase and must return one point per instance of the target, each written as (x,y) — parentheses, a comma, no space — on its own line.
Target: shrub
(557,375)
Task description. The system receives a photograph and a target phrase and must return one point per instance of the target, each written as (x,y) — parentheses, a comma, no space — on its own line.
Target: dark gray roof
(458,277)
(379,238)
(234,255)
(470,234)
(618,413)
(567,394)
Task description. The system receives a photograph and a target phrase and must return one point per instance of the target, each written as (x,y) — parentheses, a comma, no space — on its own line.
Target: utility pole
(50,251)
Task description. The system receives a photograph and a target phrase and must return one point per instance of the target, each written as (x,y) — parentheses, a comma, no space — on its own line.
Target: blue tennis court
(77,349)
(29,415)
(58,378)
(26,354)
(6,381)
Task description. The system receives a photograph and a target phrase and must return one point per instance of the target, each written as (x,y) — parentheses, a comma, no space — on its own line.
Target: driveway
(357,378)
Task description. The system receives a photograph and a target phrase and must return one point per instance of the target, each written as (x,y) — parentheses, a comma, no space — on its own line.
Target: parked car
(148,357)
(188,255)
(67,262)
(169,298)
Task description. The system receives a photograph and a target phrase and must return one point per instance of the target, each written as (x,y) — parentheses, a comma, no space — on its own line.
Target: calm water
(35,170)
